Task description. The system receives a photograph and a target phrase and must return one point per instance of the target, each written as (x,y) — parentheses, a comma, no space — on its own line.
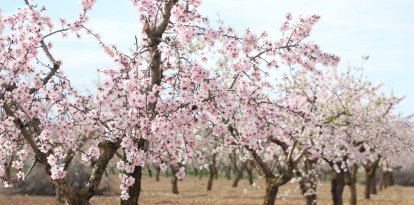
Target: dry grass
(193,191)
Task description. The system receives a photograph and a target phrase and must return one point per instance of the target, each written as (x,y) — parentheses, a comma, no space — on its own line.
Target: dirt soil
(193,192)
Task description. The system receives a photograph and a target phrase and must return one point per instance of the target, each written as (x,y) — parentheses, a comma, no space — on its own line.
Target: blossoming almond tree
(397,150)
(353,112)
(161,92)
(254,118)
(42,109)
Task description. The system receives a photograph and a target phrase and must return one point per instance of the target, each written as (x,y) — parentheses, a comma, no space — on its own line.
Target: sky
(382,29)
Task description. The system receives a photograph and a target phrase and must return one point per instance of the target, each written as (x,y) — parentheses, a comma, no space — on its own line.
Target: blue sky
(382,29)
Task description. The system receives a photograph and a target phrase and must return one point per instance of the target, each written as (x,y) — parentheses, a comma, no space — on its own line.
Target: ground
(193,192)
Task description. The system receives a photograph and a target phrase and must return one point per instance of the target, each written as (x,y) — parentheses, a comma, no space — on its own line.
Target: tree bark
(213,172)
(60,199)
(200,175)
(237,178)
(370,185)
(174,181)
(373,188)
(391,179)
(157,174)
(134,190)
(271,192)
(196,171)
(367,192)
(310,198)
(77,200)
(210,179)
(308,182)
(382,180)
(353,190)
(149,171)
(352,185)
(337,187)
(387,179)
(227,171)
(350,180)
(249,170)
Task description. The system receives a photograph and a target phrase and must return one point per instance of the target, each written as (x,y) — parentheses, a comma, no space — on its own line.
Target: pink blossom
(181,173)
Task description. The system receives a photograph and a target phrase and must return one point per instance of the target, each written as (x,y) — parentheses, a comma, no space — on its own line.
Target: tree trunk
(239,175)
(174,181)
(200,175)
(381,186)
(211,178)
(195,171)
(373,188)
(228,172)
(213,172)
(157,174)
(149,171)
(386,180)
(60,199)
(353,190)
(310,197)
(373,185)
(77,199)
(134,190)
(350,180)
(308,183)
(250,176)
(370,178)
(271,193)
(391,178)
(337,187)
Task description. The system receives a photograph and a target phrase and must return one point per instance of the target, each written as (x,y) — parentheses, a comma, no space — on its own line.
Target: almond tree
(161,92)
(41,107)
(254,119)
(353,114)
